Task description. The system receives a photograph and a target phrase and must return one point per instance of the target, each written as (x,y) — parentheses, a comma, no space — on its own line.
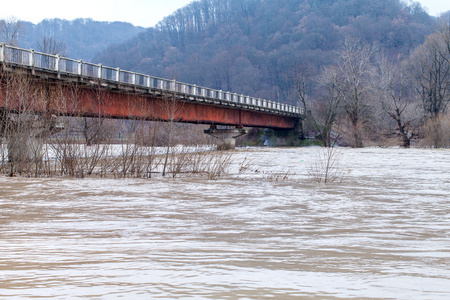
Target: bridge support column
(226,138)
(284,138)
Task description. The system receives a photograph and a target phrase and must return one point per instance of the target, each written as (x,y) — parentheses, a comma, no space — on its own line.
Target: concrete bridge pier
(284,137)
(226,138)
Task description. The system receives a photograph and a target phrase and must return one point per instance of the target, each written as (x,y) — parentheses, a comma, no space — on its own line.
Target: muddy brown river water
(383,232)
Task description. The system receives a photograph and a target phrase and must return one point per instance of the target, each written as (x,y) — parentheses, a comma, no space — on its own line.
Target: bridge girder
(94,98)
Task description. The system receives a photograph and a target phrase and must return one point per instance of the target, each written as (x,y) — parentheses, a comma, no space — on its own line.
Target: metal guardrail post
(2,52)
(31,58)
(57,62)
(118,74)
(100,71)
(80,67)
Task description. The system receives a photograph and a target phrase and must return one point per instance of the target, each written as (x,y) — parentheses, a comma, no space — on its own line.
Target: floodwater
(265,231)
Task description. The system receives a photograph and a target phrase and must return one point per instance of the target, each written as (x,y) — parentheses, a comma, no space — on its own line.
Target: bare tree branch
(10,31)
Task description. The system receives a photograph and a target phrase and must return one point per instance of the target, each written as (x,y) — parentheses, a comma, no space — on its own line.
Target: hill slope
(254,46)
(83,38)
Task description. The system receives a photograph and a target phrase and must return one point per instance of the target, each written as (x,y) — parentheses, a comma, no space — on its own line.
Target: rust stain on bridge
(93,101)
(119,105)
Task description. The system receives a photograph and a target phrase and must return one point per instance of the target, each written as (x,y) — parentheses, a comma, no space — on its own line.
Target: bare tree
(352,82)
(92,129)
(328,109)
(326,167)
(22,127)
(10,31)
(50,45)
(444,33)
(430,68)
(172,109)
(303,84)
(394,89)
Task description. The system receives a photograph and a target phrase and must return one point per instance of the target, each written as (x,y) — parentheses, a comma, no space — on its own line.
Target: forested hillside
(255,46)
(82,38)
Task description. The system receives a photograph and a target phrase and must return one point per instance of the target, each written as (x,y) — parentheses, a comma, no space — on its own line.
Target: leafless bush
(172,109)
(192,160)
(3,155)
(326,168)
(217,164)
(278,176)
(135,155)
(93,157)
(179,162)
(126,158)
(68,155)
(147,136)
(23,124)
(246,165)
(437,132)
(124,161)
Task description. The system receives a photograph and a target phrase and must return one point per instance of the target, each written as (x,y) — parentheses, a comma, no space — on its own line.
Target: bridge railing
(58,64)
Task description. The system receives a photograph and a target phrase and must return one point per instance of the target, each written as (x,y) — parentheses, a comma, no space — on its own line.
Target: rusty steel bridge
(132,95)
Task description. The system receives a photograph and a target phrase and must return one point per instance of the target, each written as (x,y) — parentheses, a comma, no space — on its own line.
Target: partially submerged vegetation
(127,158)
(126,148)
